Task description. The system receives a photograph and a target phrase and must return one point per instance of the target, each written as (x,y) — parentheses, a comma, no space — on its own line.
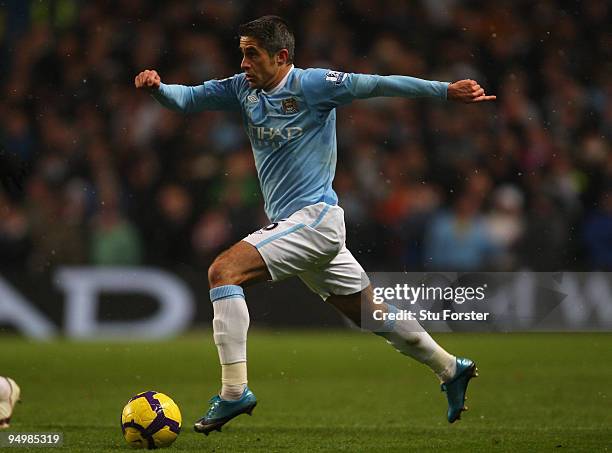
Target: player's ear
(282,57)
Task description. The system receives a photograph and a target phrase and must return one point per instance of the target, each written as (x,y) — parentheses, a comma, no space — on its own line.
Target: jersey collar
(280,85)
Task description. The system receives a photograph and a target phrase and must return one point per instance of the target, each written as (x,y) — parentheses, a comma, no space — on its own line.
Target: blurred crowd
(95,172)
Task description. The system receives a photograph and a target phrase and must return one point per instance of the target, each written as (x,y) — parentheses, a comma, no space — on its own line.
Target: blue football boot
(456,387)
(222,411)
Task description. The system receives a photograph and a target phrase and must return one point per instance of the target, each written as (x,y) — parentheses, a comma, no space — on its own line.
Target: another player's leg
(409,338)
(238,266)
(9,395)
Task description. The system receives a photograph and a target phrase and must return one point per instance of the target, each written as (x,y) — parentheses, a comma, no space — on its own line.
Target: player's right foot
(456,387)
(222,411)
(7,404)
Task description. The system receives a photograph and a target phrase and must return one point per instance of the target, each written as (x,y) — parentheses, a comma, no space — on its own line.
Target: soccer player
(9,395)
(289,115)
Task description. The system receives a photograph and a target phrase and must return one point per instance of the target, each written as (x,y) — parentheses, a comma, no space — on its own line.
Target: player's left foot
(8,404)
(222,411)
(456,387)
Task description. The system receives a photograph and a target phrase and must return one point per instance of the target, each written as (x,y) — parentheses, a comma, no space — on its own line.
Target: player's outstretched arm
(330,89)
(467,91)
(369,85)
(211,95)
(179,98)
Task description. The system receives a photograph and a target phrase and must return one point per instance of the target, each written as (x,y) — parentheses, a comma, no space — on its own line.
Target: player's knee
(221,273)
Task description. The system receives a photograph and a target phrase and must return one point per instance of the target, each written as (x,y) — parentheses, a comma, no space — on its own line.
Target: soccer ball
(150,420)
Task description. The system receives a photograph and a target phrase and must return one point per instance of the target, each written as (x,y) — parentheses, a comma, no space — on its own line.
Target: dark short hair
(272,33)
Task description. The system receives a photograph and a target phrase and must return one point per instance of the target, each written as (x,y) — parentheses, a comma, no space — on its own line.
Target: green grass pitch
(326,391)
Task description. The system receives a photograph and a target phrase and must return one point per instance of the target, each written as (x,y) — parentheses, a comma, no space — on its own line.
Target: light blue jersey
(292,128)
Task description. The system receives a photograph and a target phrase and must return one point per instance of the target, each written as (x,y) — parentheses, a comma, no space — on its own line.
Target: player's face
(260,68)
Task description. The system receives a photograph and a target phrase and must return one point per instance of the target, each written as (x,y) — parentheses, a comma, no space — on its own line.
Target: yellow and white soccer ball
(151,420)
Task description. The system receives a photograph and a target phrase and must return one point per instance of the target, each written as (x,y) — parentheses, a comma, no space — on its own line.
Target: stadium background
(95,172)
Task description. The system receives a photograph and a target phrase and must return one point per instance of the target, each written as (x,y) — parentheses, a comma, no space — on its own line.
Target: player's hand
(148,79)
(467,91)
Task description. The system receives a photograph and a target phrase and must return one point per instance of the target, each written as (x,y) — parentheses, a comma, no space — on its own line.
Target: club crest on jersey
(252,98)
(290,106)
(335,77)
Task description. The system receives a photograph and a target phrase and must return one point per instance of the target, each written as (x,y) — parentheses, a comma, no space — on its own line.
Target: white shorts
(311,245)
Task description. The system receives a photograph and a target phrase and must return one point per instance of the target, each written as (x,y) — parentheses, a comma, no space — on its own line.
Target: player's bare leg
(239,266)
(409,338)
